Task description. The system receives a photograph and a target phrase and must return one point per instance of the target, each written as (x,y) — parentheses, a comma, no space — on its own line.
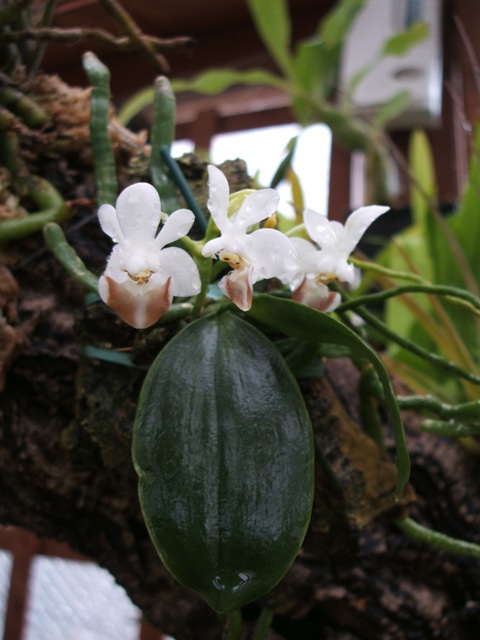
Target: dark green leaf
(224,452)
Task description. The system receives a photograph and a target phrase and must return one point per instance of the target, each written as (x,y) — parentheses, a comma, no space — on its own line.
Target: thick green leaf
(224,452)
(399,44)
(272,21)
(305,323)
(218,80)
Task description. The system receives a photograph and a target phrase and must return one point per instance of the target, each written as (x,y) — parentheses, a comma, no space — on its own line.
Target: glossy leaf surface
(224,453)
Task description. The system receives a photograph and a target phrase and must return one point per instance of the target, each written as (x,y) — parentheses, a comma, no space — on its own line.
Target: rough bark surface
(66,471)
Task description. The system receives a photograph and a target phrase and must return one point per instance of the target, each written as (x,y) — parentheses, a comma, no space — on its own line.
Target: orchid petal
(177,225)
(358,222)
(140,306)
(271,253)
(138,212)
(218,197)
(114,267)
(107,216)
(316,295)
(257,206)
(178,265)
(316,225)
(238,286)
(213,247)
(307,255)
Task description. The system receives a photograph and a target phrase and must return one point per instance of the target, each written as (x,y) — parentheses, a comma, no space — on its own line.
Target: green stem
(438,540)
(68,258)
(433,358)
(233,625)
(452,293)
(430,405)
(205,269)
(369,406)
(452,430)
(385,271)
(102,151)
(264,623)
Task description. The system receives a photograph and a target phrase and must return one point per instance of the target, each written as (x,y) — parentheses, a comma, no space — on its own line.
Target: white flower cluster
(142,276)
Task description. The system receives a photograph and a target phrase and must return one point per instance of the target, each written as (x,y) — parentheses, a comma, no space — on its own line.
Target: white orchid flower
(142,276)
(318,268)
(254,256)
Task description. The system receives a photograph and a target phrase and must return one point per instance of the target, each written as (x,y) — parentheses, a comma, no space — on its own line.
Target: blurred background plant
(309,74)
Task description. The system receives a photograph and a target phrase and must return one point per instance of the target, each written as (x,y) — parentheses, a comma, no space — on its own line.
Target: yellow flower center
(233,259)
(142,277)
(326,278)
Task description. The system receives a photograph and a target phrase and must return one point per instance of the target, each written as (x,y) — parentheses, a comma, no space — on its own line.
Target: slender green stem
(102,151)
(369,414)
(437,539)
(182,184)
(68,258)
(374,267)
(414,348)
(264,623)
(453,293)
(429,404)
(233,625)
(451,429)
(177,311)
(205,269)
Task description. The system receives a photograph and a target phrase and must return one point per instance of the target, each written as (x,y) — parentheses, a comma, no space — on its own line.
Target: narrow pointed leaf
(272,22)
(218,80)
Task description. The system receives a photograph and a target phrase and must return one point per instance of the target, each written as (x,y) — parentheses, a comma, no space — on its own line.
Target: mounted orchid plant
(226,475)
(143,275)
